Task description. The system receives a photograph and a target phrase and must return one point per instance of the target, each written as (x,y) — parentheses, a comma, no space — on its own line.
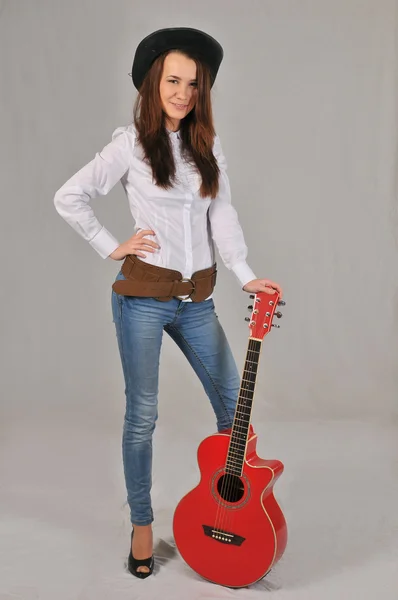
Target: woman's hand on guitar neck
(262,285)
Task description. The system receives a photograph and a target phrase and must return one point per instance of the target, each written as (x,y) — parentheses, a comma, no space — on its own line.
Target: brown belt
(144,279)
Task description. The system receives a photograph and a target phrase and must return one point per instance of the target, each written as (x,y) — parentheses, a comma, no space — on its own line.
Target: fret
(250,396)
(242,415)
(233,458)
(241,429)
(249,393)
(243,410)
(250,374)
(240,434)
(235,471)
(251,380)
(238,419)
(238,443)
(238,460)
(248,381)
(245,405)
(235,440)
(247,386)
(237,453)
(244,401)
(237,457)
(238,446)
(235,465)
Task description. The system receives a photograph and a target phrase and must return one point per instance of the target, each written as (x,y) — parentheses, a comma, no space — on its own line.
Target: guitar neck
(240,428)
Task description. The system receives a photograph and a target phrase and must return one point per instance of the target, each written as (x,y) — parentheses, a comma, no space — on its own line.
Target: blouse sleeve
(225,227)
(97,178)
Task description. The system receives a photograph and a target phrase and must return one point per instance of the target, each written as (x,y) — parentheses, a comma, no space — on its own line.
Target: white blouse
(184,223)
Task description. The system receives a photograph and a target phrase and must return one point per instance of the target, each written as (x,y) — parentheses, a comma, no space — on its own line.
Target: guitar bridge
(225,537)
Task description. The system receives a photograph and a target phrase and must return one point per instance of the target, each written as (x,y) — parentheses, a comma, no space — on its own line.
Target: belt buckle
(193,288)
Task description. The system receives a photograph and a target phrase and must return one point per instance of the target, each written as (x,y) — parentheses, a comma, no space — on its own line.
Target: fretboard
(240,428)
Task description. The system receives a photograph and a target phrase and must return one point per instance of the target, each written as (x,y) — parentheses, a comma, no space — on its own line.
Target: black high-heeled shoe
(134,563)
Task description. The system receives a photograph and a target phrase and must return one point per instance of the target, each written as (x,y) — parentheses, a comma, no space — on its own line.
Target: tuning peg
(247,319)
(251,296)
(277,326)
(281,303)
(250,307)
(278,314)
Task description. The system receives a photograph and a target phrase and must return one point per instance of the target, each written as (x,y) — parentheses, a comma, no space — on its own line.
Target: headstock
(263,312)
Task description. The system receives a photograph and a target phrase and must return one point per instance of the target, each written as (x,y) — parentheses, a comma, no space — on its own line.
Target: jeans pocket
(117,301)
(119,276)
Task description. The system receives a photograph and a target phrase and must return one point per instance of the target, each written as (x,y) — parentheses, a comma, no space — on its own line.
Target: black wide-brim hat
(196,43)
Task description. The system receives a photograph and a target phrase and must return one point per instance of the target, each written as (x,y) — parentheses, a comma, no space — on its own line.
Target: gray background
(305,105)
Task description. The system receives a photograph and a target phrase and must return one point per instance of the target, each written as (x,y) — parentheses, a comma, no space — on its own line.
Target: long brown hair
(196,130)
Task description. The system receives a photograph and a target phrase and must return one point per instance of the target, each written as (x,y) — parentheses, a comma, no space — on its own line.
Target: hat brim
(197,44)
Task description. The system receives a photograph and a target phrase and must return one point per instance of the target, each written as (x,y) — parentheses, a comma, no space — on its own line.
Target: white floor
(64,532)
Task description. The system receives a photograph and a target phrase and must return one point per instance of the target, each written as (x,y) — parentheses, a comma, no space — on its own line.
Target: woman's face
(178,88)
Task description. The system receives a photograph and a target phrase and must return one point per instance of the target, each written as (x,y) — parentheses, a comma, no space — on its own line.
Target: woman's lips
(180,106)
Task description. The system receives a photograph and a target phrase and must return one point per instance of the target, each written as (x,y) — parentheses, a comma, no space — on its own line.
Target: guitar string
(252,356)
(245,395)
(232,481)
(230,489)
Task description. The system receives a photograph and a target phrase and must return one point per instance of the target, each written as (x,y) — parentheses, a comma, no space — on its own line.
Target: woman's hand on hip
(262,285)
(136,245)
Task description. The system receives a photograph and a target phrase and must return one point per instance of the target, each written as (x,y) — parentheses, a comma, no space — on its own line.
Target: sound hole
(230,487)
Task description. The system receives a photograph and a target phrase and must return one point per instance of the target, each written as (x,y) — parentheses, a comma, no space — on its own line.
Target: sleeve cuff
(104,243)
(243,272)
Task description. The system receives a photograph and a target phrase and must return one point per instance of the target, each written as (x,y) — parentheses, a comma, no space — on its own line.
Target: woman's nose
(182,93)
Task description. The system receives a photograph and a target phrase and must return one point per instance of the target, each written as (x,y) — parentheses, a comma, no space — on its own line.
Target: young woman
(173,171)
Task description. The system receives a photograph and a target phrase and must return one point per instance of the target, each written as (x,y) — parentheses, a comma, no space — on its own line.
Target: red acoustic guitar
(229,528)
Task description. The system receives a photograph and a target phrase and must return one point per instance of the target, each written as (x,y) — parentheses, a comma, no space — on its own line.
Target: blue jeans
(195,328)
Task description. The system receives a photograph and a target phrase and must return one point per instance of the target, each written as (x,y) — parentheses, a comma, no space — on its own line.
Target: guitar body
(230,529)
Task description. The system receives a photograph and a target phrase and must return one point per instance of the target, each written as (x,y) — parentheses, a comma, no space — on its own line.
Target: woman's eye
(176,81)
